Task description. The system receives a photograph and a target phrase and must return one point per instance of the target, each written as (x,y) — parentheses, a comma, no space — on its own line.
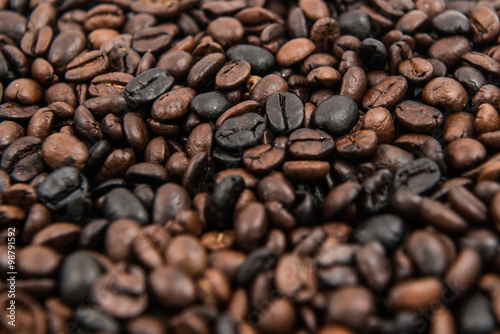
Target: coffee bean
(112,83)
(418,117)
(310,144)
(260,59)
(121,203)
(351,306)
(451,22)
(250,225)
(148,86)
(224,198)
(124,288)
(66,192)
(340,122)
(475,315)
(256,262)
(419,176)
(285,112)
(61,149)
(374,265)
(387,94)
(296,277)
(267,86)
(25,91)
(87,66)
(240,132)
(355,22)
(446,93)
(186,252)
(74,289)
(414,294)
(65,47)
(464,153)
(167,281)
(210,105)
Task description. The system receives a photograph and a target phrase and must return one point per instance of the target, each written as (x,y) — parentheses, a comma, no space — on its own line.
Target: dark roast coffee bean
(66,192)
(210,105)
(420,176)
(340,122)
(356,23)
(256,262)
(475,314)
(148,86)
(376,191)
(239,133)
(74,289)
(224,198)
(451,22)
(261,60)
(121,203)
(285,112)
(418,117)
(388,229)
(373,53)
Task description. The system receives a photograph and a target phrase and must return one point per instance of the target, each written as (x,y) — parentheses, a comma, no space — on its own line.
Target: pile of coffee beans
(250,166)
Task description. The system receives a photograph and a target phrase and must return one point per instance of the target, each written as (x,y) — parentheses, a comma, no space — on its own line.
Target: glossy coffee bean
(338,123)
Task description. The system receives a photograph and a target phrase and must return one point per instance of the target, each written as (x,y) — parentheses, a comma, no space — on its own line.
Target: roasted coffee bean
(446,93)
(148,86)
(86,66)
(121,203)
(372,261)
(66,192)
(65,47)
(340,122)
(414,294)
(256,262)
(464,153)
(475,314)
(267,86)
(210,105)
(224,198)
(310,144)
(351,306)
(418,117)
(261,60)
(296,277)
(356,23)
(74,289)
(203,72)
(388,229)
(285,112)
(387,94)
(419,176)
(172,105)
(451,22)
(112,83)
(240,132)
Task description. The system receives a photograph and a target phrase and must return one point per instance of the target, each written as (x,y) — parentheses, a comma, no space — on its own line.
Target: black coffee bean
(78,273)
(451,22)
(210,105)
(241,132)
(356,23)
(148,86)
(475,315)
(122,203)
(261,60)
(373,53)
(285,112)
(224,197)
(419,176)
(376,192)
(388,229)
(66,192)
(256,262)
(339,122)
